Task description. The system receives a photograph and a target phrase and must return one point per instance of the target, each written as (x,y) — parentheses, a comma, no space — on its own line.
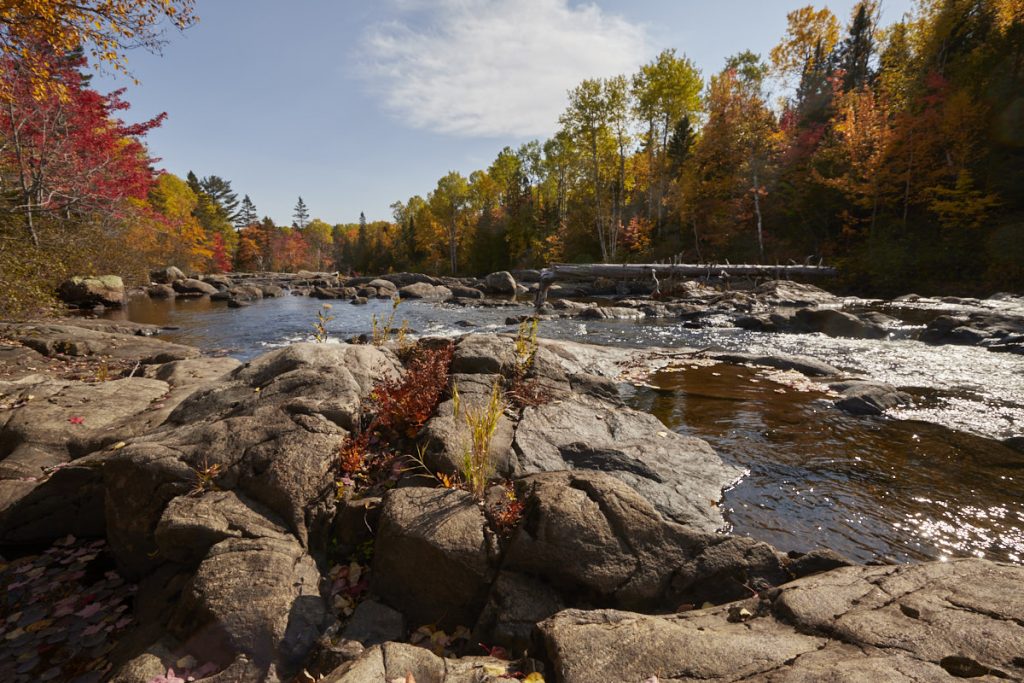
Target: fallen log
(584,271)
(635,271)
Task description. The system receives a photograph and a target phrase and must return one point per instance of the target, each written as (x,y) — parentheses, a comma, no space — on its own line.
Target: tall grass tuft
(384,329)
(477,468)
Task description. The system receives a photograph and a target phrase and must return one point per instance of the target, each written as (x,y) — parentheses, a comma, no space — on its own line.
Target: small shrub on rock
(404,405)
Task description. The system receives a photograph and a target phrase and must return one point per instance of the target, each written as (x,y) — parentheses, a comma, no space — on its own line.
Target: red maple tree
(64,151)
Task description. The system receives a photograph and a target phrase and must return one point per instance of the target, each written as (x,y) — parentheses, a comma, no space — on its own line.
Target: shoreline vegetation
(890,152)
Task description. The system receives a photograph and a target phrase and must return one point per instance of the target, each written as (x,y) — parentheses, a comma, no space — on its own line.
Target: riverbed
(927,481)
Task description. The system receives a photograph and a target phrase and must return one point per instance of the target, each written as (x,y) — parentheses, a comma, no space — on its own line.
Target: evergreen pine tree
(246,213)
(853,56)
(362,244)
(301,214)
(680,144)
(219,190)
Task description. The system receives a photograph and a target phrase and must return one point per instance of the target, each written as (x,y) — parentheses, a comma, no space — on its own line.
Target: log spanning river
(932,480)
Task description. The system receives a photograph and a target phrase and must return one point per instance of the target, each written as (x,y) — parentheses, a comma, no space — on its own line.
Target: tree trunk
(757,210)
(453,248)
(597,199)
(696,240)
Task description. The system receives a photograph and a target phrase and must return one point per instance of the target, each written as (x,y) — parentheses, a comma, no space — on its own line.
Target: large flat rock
(681,476)
(925,622)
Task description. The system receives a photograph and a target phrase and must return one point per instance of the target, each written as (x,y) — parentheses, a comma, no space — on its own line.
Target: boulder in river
(868,398)
(160,292)
(788,293)
(192,287)
(610,313)
(219,280)
(465,292)
(501,282)
(166,276)
(423,290)
(89,292)
(835,323)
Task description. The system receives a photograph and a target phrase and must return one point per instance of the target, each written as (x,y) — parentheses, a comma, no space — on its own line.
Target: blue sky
(354,105)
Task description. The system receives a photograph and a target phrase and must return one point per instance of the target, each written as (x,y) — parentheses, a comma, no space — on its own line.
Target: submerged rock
(869,398)
(803,364)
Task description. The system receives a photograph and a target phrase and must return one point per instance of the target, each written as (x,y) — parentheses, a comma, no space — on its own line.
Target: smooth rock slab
(51,339)
(928,622)
(392,661)
(681,476)
(595,539)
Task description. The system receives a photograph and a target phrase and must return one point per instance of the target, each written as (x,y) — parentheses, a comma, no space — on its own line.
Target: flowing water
(928,481)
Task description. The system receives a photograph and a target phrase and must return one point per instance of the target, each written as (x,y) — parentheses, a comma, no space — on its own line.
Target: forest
(895,153)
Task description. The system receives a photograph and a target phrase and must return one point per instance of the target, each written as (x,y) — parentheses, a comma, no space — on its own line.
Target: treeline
(896,153)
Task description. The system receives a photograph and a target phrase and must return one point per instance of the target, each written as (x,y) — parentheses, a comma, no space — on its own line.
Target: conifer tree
(301,214)
(246,213)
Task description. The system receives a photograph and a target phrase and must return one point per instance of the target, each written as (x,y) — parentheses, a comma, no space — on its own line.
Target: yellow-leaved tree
(106,29)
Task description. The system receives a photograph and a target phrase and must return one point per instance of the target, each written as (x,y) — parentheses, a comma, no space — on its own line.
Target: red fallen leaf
(76,420)
(89,610)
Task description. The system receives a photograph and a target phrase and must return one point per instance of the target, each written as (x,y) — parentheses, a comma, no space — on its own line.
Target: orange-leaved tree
(105,28)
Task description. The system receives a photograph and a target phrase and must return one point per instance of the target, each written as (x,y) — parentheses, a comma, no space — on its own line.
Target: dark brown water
(870,488)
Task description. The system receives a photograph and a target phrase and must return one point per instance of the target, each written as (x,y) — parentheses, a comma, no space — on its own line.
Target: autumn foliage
(401,407)
(404,405)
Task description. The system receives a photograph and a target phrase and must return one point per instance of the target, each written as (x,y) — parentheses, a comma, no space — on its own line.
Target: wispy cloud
(489,68)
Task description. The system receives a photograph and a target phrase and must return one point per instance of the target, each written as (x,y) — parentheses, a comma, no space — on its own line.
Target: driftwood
(588,271)
(651,271)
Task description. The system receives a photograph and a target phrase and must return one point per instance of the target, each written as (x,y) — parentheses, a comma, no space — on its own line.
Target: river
(928,481)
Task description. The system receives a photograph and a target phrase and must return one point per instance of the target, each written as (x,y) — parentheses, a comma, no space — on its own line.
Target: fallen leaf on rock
(89,610)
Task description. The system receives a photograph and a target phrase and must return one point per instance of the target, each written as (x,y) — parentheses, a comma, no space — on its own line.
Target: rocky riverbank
(996,324)
(308,516)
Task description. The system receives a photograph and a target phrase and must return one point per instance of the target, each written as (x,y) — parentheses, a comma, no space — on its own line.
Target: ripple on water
(870,488)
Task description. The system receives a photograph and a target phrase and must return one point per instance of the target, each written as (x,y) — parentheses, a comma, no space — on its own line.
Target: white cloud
(494,67)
